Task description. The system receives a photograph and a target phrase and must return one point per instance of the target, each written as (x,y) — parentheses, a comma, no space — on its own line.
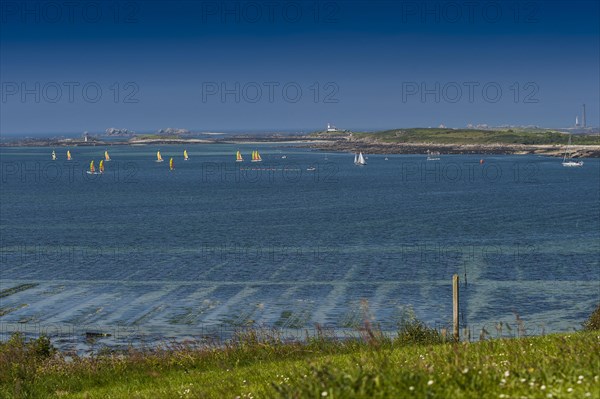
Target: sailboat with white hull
(567,161)
(359,159)
(92,170)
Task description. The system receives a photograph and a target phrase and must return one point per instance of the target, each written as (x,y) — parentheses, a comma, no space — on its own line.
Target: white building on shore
(331,128)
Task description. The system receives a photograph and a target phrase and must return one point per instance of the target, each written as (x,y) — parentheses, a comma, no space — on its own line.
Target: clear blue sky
(208,65)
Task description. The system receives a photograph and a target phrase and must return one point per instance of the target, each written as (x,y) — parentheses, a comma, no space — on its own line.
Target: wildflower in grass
(543,387)
(580,378)
(430,382)
(411,388)
(465,370)
(522,380)
(324,393)
(569,389)
(506,373)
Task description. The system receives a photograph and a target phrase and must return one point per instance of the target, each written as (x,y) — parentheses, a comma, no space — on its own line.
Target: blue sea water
(220,244)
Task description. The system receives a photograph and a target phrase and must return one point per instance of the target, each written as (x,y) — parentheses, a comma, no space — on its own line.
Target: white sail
(567,161)
(355,158)
(361,159)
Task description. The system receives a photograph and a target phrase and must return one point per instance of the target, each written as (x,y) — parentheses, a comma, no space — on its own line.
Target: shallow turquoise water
(215,243)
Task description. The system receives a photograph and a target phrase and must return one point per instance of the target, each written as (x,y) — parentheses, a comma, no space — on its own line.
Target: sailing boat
(359,159)
(171,165)
(106,156)
(92,170)
(185,155)
(101,166)
(567,161)
(433,156)
(53,155)
(68,155)
(158,156)
(238,157)
(256,157)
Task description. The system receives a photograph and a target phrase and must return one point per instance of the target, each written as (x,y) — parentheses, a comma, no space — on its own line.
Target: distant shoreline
(555,150)
(335,145)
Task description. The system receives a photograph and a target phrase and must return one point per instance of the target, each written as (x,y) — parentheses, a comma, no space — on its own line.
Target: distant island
(112,131)
(395,141)
(459,141)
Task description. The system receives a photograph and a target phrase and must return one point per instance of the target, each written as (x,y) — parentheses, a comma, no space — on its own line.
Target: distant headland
(509,140)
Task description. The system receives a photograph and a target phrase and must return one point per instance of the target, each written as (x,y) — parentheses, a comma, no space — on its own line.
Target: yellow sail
(106,156)
(238,157)
(185,155)
(158,157)
(92,168)
(171,166)
(101,166)
(256,156)
(68,155)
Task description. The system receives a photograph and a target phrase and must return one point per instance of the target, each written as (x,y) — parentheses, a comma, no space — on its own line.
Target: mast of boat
(566,156)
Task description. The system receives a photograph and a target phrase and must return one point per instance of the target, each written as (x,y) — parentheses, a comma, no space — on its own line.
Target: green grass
(472,136)
(260,365)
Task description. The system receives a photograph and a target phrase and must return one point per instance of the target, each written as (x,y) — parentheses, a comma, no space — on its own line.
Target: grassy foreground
(261,366)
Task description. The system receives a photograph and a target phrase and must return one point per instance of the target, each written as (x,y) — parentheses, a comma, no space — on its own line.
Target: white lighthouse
(331,128)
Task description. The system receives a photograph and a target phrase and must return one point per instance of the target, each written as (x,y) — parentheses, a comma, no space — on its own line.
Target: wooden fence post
(455,307)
